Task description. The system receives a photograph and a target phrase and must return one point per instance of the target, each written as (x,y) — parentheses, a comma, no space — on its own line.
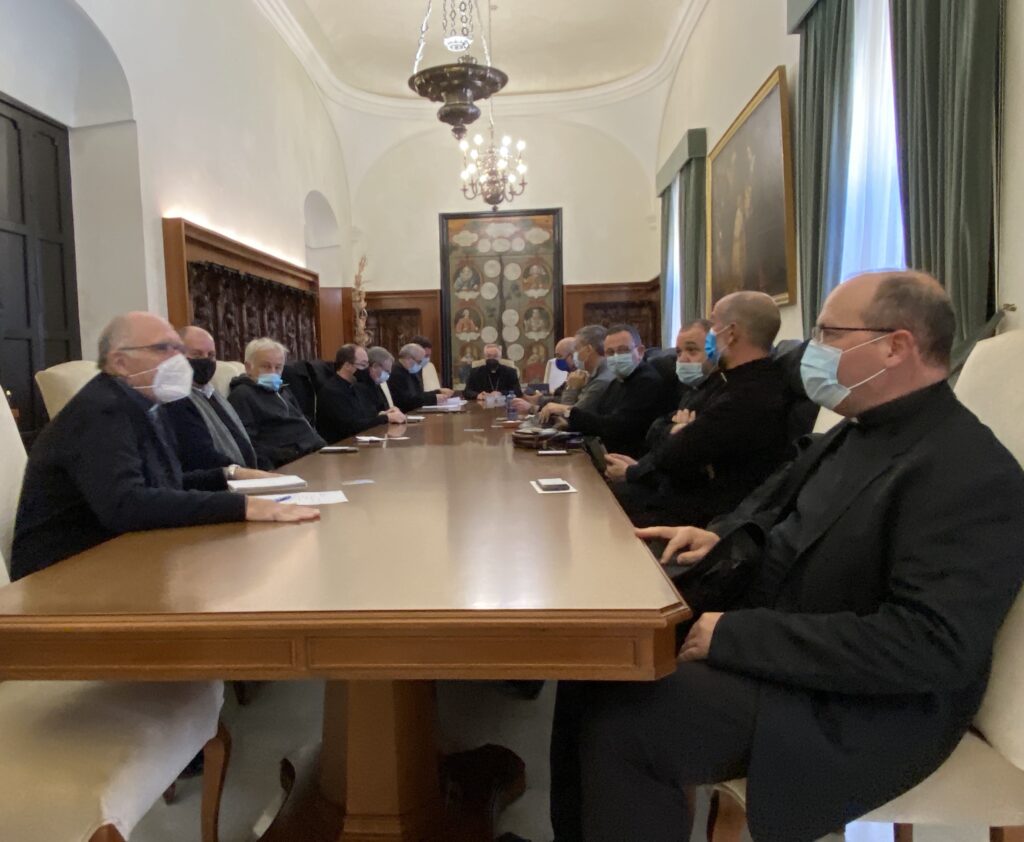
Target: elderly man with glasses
(107,465)
(345,406)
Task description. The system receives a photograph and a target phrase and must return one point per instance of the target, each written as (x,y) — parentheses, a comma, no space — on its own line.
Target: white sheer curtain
(672,294)
(873,233)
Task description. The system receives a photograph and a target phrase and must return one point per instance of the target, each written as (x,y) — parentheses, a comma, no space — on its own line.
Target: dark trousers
(622,755)
(662,506)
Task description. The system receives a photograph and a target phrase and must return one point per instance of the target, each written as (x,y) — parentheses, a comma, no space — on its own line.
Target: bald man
(869,580)
(105,464)
(732,433)
(208,432)
(564,361)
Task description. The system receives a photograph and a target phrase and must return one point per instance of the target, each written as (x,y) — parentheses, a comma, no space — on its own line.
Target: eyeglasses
(820,332)
(157,347)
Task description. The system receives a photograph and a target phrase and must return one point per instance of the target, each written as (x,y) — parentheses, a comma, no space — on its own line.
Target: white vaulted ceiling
(545,46)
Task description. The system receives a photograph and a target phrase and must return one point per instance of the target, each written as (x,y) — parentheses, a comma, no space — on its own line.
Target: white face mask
(173,379)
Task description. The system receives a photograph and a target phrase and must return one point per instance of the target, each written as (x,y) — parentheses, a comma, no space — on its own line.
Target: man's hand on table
(523,404)
(395,415)
(684,544)
(270,511)
(616,465)
(445,393)
(698,640)
(252,473)
(555,410)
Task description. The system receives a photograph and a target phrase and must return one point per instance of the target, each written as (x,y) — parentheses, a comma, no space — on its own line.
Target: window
(873,231)
(672,296)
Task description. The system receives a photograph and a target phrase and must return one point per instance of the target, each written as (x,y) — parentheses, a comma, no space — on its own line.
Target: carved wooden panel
(643,315)
(237,307)
(638,304)
(393,328)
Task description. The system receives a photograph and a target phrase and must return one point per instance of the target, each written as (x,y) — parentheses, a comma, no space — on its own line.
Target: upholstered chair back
(60,383)
(431,382)
(992,387)
(226,371)
(12,469)
(553,375)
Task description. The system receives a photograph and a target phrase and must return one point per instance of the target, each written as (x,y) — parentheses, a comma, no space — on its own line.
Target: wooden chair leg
(727,819)
(107,833)
(903,833)
(1006,834)
(216,754)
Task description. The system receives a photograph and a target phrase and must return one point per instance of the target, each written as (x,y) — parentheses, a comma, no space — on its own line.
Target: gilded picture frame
(751,215)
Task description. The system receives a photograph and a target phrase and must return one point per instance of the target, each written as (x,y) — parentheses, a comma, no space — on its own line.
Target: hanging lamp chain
(423,39)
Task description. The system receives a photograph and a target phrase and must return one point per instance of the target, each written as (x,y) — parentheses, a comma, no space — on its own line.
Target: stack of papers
(308,498)
(285,482)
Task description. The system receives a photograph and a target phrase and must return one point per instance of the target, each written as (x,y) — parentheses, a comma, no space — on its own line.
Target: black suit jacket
(101,468)
(194,445)
(406,391)
(738,438)
(874,636)
(626,411)
(344,409)
(504,380)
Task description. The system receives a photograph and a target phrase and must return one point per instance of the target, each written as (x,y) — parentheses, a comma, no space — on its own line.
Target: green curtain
(822,154)
(666,225)
(692,238)
(945,72)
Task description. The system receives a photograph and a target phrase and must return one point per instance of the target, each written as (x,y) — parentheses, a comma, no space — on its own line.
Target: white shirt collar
(207,389)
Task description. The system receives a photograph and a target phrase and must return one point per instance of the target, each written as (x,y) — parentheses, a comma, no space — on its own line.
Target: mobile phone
(553,485)
(338,448)
(598,453)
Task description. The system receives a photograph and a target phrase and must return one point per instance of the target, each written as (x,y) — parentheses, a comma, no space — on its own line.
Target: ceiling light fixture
(461,84)
(497,173)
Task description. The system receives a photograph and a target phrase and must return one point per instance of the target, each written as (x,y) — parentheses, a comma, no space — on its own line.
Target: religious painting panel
(501,282)
(751,229)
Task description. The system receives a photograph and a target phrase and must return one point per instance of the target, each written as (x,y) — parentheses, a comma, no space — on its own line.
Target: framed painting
(751,228)
(501,282)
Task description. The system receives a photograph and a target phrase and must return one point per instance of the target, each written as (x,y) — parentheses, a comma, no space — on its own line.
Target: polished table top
(449,535)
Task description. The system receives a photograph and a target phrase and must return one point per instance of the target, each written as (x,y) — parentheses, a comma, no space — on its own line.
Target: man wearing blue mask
(406,389)
(590,376)
(564,361)
(632,401)
(729,434)
(106,465)
(272,417)
(376,375)
(846,648)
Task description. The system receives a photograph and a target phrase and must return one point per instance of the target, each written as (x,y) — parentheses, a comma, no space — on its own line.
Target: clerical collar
(903,407)
(207,389)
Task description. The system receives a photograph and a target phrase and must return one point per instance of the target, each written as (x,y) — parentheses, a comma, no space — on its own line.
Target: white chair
(431,382)
(60,383)
(85,760)
(387,394)
(226,371)
(13,459)
(554,376)
(982,781)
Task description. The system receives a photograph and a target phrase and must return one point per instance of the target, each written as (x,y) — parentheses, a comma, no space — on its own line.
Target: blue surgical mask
(384,375)
(819,371)
(689,373)
(416,368)
(270,381)
(711,347)
(622,365)
(563,364)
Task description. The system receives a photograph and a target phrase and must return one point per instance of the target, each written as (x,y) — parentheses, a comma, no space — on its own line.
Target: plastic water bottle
(511,413)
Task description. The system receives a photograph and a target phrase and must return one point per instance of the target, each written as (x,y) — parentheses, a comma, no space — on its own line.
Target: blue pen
(282,499)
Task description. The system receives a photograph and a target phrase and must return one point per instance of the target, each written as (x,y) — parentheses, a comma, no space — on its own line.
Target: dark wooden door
(38,294)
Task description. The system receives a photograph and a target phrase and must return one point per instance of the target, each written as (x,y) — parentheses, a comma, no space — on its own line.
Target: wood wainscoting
(638,304)
(395,316)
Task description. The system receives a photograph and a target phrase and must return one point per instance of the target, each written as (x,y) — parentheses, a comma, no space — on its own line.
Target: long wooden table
(448,565)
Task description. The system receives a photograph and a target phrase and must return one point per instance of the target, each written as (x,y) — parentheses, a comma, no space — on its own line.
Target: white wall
(1011,243)
(231,131)
(735,46)
(609,212)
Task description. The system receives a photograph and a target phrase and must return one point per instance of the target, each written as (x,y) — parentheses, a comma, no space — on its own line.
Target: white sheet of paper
(539,490)
(473,430)
(357,482)
(308,498)
(367,439)
(415,417)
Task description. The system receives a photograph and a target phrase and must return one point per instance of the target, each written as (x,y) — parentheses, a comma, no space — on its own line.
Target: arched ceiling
(545,46)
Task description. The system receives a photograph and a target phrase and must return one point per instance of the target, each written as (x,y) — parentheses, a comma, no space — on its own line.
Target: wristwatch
(230,470)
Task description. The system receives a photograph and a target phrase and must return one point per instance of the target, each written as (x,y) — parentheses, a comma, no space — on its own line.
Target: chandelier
(497,173)
(460,84)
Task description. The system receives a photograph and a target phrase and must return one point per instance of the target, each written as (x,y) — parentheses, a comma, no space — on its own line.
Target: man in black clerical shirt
(105,464)
(492,379)
(269,411)
(731,434)
(406,390)
(208,432)
(845,649)
(344,406)
(631,402)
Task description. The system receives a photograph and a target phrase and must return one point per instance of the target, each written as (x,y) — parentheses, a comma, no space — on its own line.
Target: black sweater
(504,380)
(406,391)
(344,409)
(103,467)
(274,421)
